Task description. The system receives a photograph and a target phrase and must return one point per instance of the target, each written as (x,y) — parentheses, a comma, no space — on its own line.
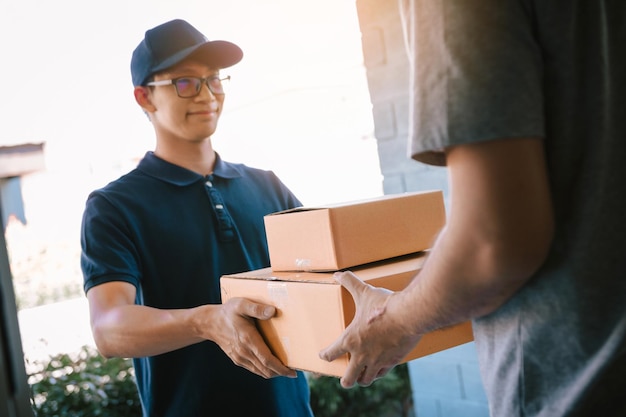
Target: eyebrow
(186,70)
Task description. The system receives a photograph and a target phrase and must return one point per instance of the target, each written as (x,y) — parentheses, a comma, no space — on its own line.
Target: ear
(143,98)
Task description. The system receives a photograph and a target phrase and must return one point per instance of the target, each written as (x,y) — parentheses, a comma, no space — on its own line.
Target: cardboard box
(313,310)
(344,235)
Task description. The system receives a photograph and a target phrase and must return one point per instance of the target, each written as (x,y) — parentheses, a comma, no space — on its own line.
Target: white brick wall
(446,384)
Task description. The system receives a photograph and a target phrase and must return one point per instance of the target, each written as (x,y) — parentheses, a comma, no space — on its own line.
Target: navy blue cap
(169,43)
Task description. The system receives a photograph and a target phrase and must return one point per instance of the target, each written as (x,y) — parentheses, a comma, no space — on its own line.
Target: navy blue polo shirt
(173,233)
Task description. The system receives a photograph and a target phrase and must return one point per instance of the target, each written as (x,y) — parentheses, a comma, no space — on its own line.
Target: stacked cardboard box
(382,240)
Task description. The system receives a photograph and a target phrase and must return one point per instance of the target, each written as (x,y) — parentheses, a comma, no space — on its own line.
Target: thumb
(355,286)
(259,311)
(350,282)
(333,351)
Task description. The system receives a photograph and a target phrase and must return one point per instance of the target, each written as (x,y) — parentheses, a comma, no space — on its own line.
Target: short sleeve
(476,75)
(107,252)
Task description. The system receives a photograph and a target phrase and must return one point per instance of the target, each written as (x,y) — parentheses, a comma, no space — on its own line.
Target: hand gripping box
(313,310)
(344,235)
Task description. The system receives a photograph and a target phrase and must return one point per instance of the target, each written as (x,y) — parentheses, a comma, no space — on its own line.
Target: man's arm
(123,329)
(498,234)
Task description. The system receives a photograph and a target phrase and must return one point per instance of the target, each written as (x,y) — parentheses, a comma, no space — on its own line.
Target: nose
(205,87)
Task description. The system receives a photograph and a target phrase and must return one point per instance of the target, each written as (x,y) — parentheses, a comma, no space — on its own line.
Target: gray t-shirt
(555,69)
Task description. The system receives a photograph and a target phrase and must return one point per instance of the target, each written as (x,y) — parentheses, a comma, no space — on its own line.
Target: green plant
(387,397)
(84,384)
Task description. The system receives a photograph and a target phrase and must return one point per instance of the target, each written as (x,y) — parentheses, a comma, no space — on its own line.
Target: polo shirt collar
(165,171)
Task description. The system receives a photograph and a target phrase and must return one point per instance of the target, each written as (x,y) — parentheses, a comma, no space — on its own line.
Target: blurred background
(297,104)
(320,98)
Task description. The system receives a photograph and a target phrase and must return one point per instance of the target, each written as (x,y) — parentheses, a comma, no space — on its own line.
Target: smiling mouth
(204,113)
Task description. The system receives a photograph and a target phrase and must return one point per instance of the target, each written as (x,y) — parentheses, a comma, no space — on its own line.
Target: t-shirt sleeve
(476,75)
(285,198)
(107,252)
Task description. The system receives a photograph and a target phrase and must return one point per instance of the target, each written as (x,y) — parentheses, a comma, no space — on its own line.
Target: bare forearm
(460,282)
(137,331)
(498,234)
(123,329)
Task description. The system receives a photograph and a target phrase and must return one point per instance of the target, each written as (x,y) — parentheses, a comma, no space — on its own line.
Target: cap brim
(215,54)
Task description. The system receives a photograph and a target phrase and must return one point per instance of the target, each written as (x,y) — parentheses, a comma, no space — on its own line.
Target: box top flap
(411,262)
(352,202)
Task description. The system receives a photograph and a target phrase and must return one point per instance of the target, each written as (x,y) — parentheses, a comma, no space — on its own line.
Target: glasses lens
(215,84)
(188,87)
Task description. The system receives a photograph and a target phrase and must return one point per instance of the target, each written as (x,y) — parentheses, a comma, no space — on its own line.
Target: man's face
(190,119)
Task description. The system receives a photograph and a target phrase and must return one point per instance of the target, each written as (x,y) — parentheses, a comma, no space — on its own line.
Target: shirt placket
(225,224)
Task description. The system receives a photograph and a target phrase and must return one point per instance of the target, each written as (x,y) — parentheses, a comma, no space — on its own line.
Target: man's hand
(236,333)
(373,340)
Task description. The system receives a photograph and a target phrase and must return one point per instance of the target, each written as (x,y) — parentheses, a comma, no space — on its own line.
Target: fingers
(355,286)
(333,351)
(364,339)
(265,364)
(363,375)
(254,355)
(351,282)
(243,343)
(257,310)
(353,372)
(370,374)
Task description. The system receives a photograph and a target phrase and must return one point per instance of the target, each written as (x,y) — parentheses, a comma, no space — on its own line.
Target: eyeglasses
(187,87)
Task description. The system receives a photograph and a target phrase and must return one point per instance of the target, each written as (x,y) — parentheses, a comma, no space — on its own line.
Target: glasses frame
(174,82)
